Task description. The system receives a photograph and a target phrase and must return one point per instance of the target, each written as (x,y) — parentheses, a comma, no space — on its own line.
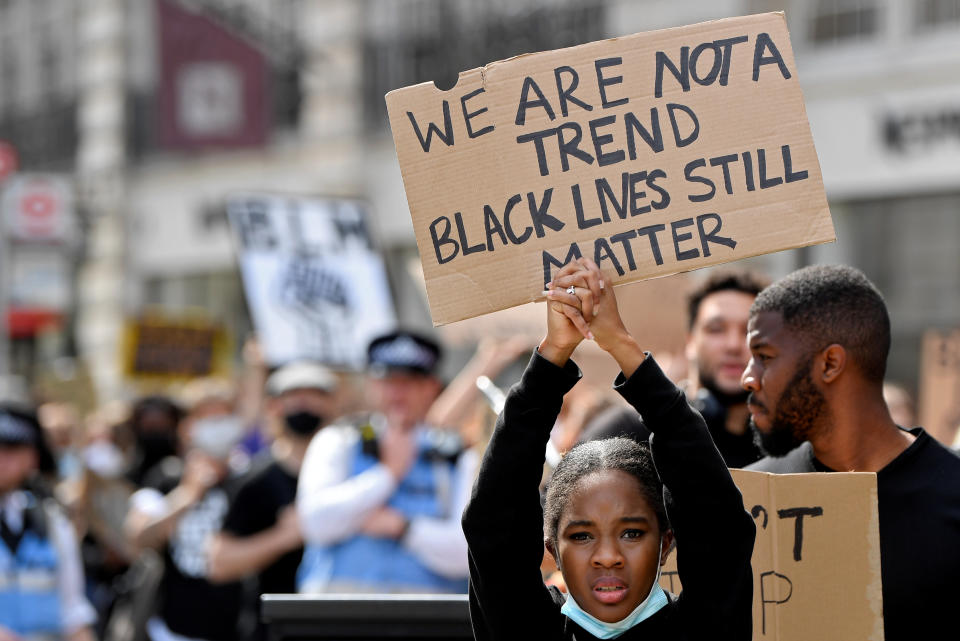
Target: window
(413,41)
(933,14)
(837,21)
(8,73)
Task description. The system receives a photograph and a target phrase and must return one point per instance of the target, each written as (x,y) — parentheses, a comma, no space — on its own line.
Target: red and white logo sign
(9,161)
(39,208)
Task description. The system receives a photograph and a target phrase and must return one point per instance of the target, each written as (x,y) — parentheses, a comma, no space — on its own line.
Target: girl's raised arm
(503,522)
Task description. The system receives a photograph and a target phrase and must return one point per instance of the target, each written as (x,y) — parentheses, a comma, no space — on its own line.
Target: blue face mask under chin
(603,630)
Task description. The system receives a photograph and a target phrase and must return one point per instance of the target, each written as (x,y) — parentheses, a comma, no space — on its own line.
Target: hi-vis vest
(363,563)
(29,600)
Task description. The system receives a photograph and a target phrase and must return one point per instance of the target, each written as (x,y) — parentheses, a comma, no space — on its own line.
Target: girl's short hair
(619,453)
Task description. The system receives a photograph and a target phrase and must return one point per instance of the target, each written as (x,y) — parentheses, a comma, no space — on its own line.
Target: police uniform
(343,481)
(41,576)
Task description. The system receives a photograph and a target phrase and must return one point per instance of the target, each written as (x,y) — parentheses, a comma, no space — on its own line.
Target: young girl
(609,520)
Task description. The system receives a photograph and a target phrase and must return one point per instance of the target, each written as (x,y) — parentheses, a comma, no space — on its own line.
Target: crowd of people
(167,518)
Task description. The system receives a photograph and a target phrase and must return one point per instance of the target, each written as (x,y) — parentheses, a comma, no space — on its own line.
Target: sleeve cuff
(543,377)
(649,390)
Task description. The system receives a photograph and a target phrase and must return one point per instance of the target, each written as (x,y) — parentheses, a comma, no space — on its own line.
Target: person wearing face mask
(101,505)
(153,422)
(261,533)
(614,506)
(60,423)
(179,511)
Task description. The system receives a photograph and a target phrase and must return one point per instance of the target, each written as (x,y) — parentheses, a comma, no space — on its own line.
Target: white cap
(301,375)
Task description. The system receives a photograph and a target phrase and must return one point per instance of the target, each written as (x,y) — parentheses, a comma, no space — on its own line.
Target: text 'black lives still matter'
(652,154)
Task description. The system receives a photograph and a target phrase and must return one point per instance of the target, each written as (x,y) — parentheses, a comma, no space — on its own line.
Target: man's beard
(709,382)
(799,408)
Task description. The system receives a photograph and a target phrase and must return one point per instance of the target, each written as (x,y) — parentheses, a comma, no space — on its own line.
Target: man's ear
(831,363)
(666,546)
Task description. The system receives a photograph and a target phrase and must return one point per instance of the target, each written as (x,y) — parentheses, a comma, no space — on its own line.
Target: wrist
(612,340)
(556,354)
(395,471)
(287,538)
(187,494)
(627,353)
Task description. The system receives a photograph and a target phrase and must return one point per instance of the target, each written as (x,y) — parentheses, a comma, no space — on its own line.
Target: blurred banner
(213,84)
(172,348)
(940,384)
(315,285)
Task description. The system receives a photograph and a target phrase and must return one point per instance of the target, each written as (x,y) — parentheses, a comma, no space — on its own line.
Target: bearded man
(819,340)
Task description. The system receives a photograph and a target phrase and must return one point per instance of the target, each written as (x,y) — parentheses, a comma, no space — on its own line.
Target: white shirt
(332,505)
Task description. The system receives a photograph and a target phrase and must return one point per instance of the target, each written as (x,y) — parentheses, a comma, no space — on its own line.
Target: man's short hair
(743,281)
(828,304)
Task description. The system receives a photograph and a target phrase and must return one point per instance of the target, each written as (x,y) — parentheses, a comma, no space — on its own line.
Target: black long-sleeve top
(918,496)
(504,522)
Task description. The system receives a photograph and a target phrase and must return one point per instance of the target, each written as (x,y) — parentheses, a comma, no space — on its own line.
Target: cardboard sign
(652,154)
(940,384)
(170,348)
(816,561)
(316,287)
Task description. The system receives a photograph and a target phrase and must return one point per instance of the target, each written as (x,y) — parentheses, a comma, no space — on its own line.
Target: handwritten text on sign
(652,154)
(816,560)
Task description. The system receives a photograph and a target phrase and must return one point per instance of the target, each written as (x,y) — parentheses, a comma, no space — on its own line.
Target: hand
(495,352)
(582,274)
(200,473)
(398,450)
(385,523)
(253,352)
(566,312)
(597,303)
(603,317)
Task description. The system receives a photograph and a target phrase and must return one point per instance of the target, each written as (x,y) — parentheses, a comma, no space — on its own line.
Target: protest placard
(816,560)
(652,154)
(940,384)
(172,348)
(315,285)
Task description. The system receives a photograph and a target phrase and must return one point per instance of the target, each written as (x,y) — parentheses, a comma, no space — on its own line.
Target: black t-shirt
(189,604)
(263,493)
(918,495)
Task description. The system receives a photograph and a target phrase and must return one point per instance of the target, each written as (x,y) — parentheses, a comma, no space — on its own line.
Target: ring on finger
(572,290)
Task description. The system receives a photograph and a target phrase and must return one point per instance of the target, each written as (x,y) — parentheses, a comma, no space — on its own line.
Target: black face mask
(303,423)
(155,446)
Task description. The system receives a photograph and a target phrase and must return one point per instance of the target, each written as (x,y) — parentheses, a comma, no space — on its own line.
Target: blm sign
(652,154)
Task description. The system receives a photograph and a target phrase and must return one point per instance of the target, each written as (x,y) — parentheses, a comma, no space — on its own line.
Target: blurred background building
(144,115)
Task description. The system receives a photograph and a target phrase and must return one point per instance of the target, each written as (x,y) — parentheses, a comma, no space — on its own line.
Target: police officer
(380,496)
(41,576)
